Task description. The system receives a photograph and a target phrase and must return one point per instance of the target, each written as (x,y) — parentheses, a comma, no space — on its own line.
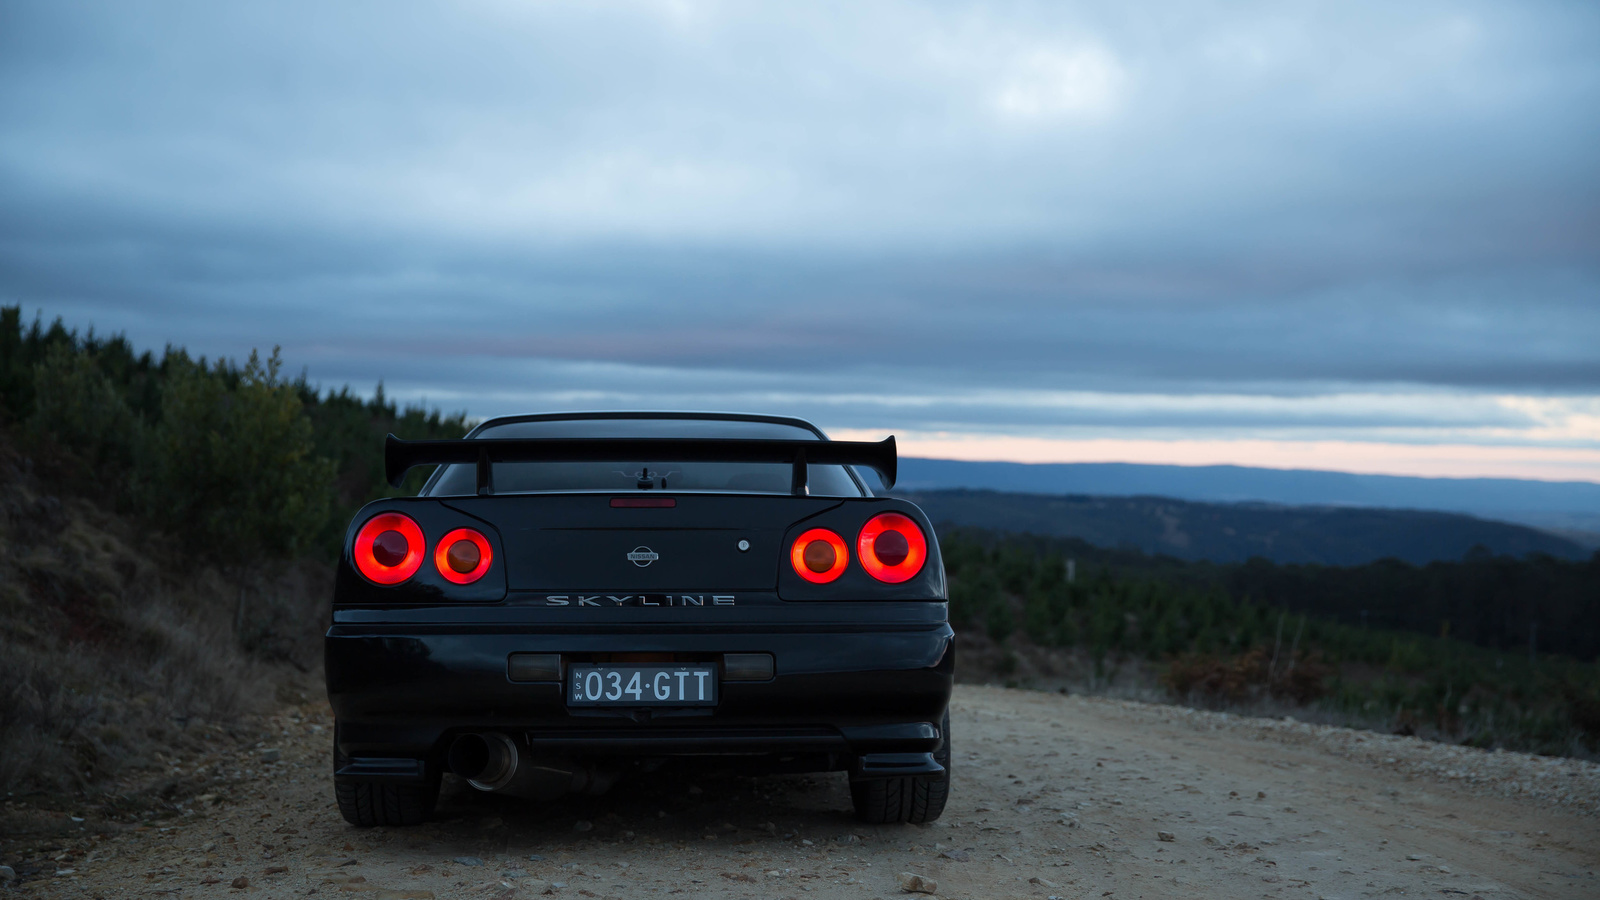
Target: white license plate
(607,685)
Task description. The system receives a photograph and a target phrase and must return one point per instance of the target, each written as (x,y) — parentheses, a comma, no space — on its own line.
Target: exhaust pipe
(493,762)
(487,761)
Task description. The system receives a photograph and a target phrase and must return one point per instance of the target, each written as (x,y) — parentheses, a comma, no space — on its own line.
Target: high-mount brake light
(891,548)
(389,548)
(463,556)
(819,556)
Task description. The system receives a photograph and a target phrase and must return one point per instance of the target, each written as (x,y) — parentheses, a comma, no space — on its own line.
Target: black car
(576,598)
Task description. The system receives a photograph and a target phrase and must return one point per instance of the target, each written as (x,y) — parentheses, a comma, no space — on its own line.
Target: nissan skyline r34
(573,599)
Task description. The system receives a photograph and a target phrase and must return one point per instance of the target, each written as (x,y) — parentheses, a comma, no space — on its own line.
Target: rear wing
(400,456)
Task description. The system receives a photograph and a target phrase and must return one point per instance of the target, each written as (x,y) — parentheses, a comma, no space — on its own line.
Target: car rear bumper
(401,693)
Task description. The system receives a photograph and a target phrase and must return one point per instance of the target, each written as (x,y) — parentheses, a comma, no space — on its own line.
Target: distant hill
(1234,532)
(1571,509)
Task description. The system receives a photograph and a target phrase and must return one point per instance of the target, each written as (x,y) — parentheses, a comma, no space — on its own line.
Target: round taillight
(389,548)
(891,548)
(819,556)
(463,556)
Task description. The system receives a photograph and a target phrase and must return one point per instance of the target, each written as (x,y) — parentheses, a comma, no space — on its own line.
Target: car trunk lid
(576,542)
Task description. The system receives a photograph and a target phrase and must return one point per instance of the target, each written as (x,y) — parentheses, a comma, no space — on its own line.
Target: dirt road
(1054,797)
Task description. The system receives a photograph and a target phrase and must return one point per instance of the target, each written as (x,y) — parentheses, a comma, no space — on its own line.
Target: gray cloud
(667,204)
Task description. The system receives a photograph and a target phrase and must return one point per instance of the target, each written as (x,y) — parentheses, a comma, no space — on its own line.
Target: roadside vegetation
(167,531)
(1195,633)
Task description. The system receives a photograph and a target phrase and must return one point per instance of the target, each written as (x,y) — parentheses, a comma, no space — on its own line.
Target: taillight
(819,556)
(891,548)
(463,556)
(389,548)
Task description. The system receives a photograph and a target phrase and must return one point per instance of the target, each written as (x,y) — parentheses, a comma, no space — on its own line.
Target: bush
(82,429)
(230,469)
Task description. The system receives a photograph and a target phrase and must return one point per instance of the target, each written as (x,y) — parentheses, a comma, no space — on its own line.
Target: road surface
(1054,796)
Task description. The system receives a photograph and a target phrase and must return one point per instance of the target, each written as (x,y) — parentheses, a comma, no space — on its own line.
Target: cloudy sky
(1351,235)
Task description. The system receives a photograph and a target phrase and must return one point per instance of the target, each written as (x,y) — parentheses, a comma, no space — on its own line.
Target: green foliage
(238,462)
(1216,643)
(230,466)
(81,418)
(1492,601)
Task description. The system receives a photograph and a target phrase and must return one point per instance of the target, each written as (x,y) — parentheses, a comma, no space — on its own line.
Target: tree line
(1536,603)
(235,460)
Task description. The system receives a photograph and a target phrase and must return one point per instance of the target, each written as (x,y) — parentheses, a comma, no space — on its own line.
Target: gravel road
(1054,797)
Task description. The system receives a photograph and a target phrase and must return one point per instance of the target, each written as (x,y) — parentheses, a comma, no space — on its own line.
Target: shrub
(231,471)
(81,428)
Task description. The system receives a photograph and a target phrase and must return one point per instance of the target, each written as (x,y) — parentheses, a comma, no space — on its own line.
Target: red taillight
(463,556)
(819,556)
(891,548)
(389,548)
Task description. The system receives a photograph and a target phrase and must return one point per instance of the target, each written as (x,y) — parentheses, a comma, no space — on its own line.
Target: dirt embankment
(1054,797)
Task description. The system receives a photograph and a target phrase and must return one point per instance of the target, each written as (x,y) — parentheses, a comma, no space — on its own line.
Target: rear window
(644,474)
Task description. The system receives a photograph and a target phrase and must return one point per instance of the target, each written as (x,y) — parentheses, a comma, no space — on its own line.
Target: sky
(1360,236)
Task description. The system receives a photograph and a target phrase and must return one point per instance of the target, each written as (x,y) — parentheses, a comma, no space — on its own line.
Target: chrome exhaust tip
(487,761)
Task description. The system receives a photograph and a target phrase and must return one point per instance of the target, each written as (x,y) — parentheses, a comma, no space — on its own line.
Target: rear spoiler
(399,456)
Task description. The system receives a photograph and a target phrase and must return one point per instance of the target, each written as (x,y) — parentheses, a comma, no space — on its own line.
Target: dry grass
(116,654)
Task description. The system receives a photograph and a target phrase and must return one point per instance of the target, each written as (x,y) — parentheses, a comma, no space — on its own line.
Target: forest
(1240,635)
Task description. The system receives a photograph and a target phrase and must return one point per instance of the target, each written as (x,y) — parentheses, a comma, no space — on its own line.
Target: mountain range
(1569,509)
(1235,532)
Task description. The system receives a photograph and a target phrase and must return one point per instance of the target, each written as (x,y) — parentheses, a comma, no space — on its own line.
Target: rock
(1167,836)
(275,870)
(271,754)
(583,825)
(469,861)
(534,857)
(211,879)
(957,855)
(1041,882)
(1415,857)
(241,883)
(912,883)
(400,894)
(7,874)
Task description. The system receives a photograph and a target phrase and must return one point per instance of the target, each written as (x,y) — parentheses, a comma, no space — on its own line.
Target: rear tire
(368,803)
(881,801)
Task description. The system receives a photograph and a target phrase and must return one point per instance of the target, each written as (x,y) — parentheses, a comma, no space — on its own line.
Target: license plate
(606,685)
